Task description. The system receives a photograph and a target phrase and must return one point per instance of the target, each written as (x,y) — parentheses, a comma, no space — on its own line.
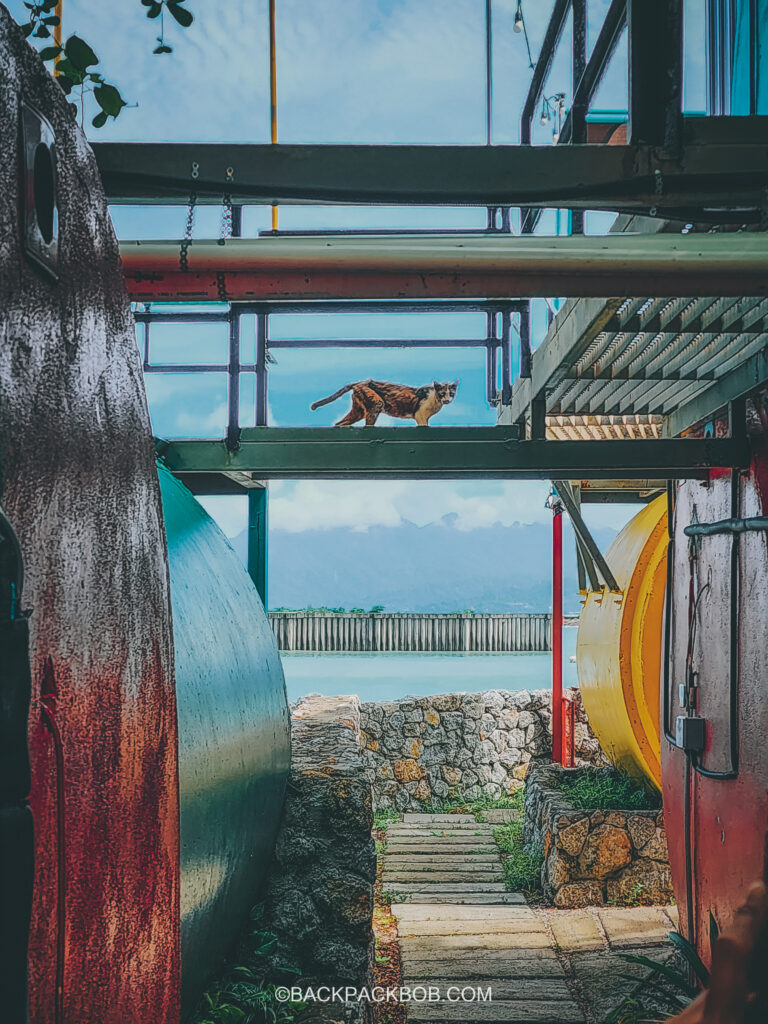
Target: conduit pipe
(500,267)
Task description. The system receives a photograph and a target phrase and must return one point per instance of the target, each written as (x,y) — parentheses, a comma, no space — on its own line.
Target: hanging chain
(188,228)
(226,210)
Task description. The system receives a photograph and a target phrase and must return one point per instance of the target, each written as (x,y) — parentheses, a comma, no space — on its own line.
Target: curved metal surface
(234,734)
(618,651)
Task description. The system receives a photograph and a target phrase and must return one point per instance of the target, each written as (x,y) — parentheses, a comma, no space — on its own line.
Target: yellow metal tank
(619,645)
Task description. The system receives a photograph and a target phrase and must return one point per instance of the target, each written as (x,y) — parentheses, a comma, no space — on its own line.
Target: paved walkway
(458,926)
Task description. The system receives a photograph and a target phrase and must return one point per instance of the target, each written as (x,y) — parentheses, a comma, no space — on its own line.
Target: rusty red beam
(447,267)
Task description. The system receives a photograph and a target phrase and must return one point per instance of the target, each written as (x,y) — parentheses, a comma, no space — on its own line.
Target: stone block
(422,791)
(606,851)
(572,837)
(615,818)
(559,869)
(451,775)
(656,847)
(579,894)
(485,752)
(499,739)
(641,828)
(408,770)
(453,720)
(644,880)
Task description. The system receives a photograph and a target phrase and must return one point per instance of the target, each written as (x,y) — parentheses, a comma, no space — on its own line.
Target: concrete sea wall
(382,631)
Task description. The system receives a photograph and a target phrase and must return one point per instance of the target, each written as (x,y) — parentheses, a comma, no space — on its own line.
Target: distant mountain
(434,568)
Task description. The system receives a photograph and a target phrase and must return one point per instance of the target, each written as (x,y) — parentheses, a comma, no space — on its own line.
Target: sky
(356,71)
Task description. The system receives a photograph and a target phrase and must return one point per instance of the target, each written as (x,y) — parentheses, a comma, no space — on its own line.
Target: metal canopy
(441,453)
(722,162)
(447,267)
(671,361)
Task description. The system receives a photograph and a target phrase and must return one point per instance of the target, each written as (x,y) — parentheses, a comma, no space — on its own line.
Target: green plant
(384,816)
(522,868)
(609,791)
(634,898)
(75,61)
(665,989)
(394,896)
(245,992)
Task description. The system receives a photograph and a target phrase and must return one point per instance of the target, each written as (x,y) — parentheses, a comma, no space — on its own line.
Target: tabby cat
(370,398)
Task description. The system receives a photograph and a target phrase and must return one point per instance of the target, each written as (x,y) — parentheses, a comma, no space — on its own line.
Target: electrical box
(690,732)
(40,226)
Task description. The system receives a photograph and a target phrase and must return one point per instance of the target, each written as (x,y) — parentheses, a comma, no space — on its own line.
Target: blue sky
(363,71)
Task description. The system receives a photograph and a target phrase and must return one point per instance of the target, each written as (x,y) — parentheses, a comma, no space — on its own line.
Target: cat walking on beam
(370,398)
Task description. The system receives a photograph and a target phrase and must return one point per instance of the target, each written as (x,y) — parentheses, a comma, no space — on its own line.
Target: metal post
(257,540)
(506,357)
(557,633)
(578,109)
(488,71)
(525,341)
(655,85)
(233,382)
(273,89)
(261,369)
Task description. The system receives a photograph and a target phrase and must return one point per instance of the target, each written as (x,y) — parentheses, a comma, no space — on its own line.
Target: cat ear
(435,385)
(455,384)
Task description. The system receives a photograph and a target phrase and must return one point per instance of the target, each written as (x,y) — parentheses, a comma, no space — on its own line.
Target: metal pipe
(557,633)
(233,383)
(495,267)
(57,29)
(273,89)
(752,523)
(488,70)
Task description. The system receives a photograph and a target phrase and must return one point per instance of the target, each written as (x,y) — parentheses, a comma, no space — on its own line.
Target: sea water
(396,674)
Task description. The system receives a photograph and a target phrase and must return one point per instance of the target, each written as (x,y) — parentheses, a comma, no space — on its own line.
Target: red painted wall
(729,818)
(78,482)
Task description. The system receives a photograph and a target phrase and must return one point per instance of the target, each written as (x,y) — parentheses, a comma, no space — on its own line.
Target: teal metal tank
(234,735)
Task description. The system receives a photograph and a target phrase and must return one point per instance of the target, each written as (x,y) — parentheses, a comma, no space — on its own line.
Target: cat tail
(337,394)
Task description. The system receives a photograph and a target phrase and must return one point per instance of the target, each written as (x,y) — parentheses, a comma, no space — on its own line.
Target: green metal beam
(258,503)
(719,165)
(750,375)
(446,453)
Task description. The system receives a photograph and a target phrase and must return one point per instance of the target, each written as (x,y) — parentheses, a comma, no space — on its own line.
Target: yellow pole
(57,28)
(273,88)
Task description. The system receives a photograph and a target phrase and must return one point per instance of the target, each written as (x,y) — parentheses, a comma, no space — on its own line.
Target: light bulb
(518,25)
(555,135)
(544,114)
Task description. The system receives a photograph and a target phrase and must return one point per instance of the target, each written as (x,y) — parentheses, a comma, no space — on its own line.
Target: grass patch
(522,868)
(609,791)
(245,992)
(385,816)
(456,805)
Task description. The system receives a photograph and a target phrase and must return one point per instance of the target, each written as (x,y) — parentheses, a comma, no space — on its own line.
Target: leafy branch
(75,63)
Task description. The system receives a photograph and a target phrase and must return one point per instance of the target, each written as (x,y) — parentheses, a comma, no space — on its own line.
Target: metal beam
(258,501)
(578,176)
(750,375)
(487,267)
(446,453)
(581,530)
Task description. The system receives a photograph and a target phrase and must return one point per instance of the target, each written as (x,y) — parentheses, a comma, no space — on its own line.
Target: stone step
(439,827)
(397,862)
(526,937)
(429,819)
(438,844)
(505,1011)
(415,912)
(519,926)
(427,877)
(448,853)
(467,899)
(555,989)
(433,885)
(491,963)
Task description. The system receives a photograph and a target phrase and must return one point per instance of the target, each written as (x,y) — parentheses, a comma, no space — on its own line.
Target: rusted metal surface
(727,814)
(234,734)
(492,266)
(78,482)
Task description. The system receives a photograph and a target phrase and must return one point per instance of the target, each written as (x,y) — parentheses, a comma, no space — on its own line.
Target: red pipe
(557,634)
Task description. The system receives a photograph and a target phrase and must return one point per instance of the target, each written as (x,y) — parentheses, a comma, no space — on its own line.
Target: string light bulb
(518,24)
(545,113)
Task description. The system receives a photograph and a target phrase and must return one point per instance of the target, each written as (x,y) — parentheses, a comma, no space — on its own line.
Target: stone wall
(464,745)
(594,857)
(319,898)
